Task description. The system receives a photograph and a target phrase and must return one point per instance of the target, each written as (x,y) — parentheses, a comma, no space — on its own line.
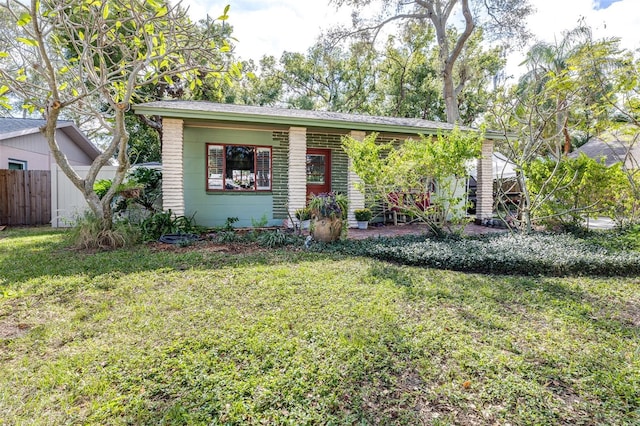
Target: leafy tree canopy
(93,58)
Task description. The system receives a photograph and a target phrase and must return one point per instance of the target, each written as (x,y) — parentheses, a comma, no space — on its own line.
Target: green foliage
(147,183)
(402,79)
(165,222)
(277,238)
(330,205)
(411,168)
(144,141)
(520,254)
(621,239)
(363,215)
(575,188)
(260,223)
(89,232)
(303,214)
(102,186)
(150,180)
(228,223)
(150,337)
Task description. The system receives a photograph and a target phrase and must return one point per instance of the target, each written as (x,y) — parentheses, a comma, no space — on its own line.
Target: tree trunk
(101,208)
(567,138)
(450,100)
(448,57)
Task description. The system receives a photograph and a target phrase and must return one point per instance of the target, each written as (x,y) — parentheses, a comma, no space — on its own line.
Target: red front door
(318,171)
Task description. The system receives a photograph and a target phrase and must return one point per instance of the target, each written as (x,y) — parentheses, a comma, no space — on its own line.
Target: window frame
(22,163)
(224,189)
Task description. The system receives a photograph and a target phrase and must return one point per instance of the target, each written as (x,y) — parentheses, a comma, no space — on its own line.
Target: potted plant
(304,217)
(328,210)
(363,216)
(130,189)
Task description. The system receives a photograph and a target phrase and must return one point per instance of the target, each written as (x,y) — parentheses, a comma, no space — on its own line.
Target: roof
(613,152)
(12,125)
(16,127)
(294,117)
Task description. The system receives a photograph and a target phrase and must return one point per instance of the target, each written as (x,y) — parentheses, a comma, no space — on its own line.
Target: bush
(619,239)
(277,238)
(89,233)
(303,214)
(162,223)
(363,215)
(518,254)
(101,187)
(136,198)
(575,188)
(330,205)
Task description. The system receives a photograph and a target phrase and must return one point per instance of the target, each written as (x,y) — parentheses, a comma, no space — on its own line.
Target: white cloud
(273,26)
(270,27)
(621,19)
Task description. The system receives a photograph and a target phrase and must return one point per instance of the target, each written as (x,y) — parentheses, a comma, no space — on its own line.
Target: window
(315,168)
(17,164)
(238,168)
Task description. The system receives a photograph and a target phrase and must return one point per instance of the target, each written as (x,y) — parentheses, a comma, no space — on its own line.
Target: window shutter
(263,168)
(215,167)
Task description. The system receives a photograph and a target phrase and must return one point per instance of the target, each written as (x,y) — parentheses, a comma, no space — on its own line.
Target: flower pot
(326,230)
(363,224)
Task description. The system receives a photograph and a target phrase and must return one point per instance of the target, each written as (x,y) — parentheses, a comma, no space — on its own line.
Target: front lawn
(290,337)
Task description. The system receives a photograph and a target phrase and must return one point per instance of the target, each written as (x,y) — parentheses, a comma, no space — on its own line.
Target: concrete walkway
(600,223)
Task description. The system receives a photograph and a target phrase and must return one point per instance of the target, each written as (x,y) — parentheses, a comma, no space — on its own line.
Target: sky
(274,26)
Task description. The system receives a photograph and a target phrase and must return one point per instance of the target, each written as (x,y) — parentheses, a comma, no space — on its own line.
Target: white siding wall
(356,198)
(297,169)
(67,202)
(34,149)
(172,165)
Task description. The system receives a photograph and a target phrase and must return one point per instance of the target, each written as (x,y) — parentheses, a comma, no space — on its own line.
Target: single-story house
(24,147)
(222,161)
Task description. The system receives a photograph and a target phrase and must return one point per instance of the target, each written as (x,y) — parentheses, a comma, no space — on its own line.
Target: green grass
(202,337)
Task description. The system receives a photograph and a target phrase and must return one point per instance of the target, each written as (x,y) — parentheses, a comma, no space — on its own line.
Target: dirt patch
(631,313)
(208,247)
(12,331)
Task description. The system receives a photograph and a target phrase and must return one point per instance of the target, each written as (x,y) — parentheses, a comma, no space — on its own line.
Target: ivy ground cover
(291,337)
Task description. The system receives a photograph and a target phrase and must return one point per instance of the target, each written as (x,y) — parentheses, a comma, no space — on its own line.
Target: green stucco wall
(213,209)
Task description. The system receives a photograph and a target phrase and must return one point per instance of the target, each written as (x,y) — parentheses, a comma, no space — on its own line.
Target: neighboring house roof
(294,117)
(16,127)
(613,152)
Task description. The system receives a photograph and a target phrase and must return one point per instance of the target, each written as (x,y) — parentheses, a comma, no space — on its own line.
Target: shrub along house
(222,161)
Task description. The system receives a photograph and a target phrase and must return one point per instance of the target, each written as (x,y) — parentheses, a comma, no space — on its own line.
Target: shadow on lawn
(26,256)
(510,297)
(47,254)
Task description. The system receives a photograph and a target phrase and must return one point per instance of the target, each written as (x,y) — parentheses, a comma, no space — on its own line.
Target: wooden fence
(25,197)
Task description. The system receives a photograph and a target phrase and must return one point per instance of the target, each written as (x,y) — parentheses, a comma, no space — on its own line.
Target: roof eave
(80,139)
(289,121)
(19,133)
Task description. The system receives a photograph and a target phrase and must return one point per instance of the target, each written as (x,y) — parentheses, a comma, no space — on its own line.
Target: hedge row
(518,254)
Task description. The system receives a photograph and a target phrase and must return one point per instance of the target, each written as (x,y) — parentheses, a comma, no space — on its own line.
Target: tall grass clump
(90,233)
